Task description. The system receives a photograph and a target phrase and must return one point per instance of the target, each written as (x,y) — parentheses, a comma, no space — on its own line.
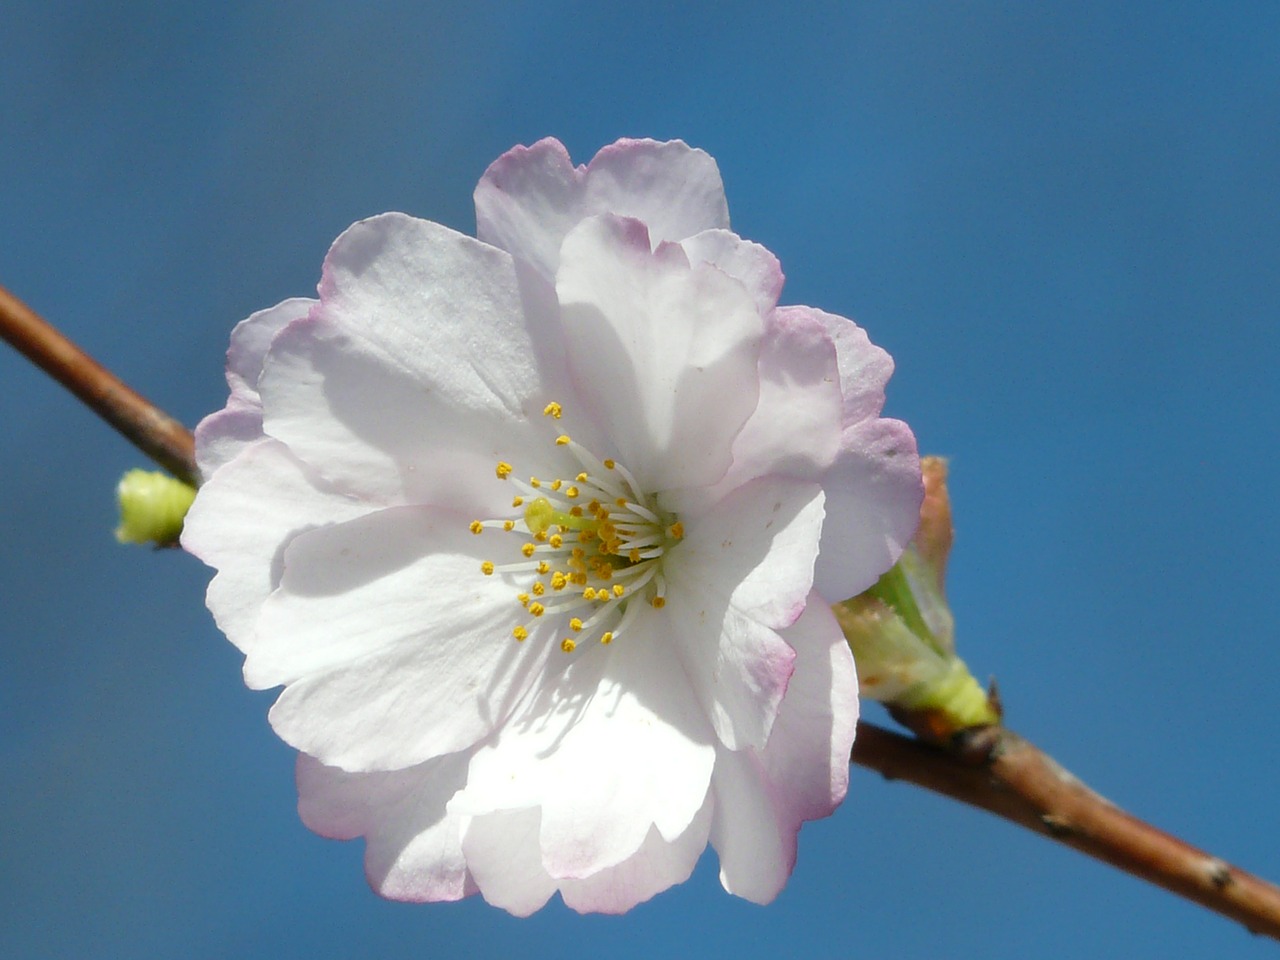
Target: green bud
(152,507)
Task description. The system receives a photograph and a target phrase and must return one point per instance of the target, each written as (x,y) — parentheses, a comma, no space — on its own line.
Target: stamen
(602,564)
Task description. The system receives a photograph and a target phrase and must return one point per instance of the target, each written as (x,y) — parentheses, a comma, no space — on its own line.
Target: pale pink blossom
(672,478)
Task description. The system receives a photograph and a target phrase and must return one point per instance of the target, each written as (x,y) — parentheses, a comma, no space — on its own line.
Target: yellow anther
(563,440)
(541,536)
(606,637)
(570,492)
(633,555)
(619,589)
(567,645)
(578,579)
(508,525)
(535,482)
(528,549)
(487,568)
(476,527)
(539,588)
(676,530)
(658,602)
(504,470)
(577,553)
(520,633)
(537,609)
(558,581)
(556,541)
(609,464)
(593,506)
(575,512)
(581,478)
(523,598)
(543,567)
(621,501)
(589,593)
(552,409)
(575,624)
(517,501)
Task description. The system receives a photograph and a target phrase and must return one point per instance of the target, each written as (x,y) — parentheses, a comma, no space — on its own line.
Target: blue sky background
(1063,222)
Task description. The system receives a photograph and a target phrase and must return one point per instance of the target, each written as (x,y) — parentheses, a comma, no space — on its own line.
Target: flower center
(593,547)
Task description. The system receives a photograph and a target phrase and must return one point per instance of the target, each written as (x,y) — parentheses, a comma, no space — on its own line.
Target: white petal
(419,370)
(761,800)
(749,263)
(756,853)
(532,197)
(657,865)
(616,746)
(504,856)
(433,672)
(414,848)
(656,347)
(874,491)
(864,368)
(243,518)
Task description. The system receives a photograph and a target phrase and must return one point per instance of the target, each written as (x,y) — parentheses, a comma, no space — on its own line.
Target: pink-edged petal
(796,427)
(656,346)
(530,198)
(755,548)
(807,756)
(224,435)
(762,798)
(419,370)
(435,671)
(504,856)
(674,188)
(742,571)
(413,847)
(864,368)
(749,263)
(243,518)
(874,490)
(221,436)
(657,865)
(616,746)
(251,339)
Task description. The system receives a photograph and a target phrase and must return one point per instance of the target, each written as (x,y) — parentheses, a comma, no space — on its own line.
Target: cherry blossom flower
(539,533)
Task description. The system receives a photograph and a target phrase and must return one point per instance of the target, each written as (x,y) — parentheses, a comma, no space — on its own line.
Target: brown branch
(996,770)
(148,428)
(992,769)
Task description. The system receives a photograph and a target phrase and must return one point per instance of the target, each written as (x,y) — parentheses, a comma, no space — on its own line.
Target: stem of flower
(148,428)
(996,770)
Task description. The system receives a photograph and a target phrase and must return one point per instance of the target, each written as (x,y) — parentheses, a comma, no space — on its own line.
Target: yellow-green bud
(152,507)
(901,631)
